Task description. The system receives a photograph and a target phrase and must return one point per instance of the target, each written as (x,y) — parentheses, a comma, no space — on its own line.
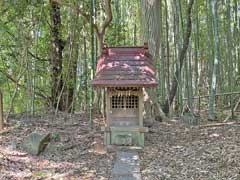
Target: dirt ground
(80,155)
(173,150)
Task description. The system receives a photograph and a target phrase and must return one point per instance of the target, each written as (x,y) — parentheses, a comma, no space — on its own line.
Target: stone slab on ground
(35,142)
(126,166)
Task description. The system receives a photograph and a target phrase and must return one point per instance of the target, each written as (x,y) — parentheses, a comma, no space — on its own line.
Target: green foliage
(25,47)
(55,136)
(39,174)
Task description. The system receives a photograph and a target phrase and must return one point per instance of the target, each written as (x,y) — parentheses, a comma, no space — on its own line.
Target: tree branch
(99,32)
(22,86)
(78,10)
(108,19)
(37,57)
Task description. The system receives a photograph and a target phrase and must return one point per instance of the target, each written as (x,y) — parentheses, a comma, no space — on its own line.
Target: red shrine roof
(125,66)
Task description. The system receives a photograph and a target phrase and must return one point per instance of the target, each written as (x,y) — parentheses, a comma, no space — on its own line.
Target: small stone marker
(126,166)
(36,142)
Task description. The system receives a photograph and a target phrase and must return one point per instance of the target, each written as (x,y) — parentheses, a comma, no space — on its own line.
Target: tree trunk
(230,48)
(72,67)
(56,58)
(72,76)
(168,102)
(85,74)
(167,47)
(1,110)
(211,115)
(150,15)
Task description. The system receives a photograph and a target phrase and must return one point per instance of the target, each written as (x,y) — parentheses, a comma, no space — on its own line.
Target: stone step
(126,166)
(127,177)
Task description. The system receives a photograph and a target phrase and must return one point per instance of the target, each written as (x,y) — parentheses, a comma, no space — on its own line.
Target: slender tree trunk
(180,43)
(71,86)
(190,89)
(85,73)
(236,36)
(209,45)
(162,78)
(91,103)
(56,57)
(230,47)
(196,52)
(1,111)
(72,74)
(168,102)
(211,114)
(167,45)
(135,35)
(72,63)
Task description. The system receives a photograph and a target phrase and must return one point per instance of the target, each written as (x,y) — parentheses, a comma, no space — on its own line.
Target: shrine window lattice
(128,102)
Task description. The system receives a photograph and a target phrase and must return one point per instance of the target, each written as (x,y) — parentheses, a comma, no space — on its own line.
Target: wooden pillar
(108,95)
(1,110)
(107,131)
(141,108)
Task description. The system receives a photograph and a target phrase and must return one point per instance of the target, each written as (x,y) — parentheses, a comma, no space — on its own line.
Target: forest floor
(173,150)
(80,153)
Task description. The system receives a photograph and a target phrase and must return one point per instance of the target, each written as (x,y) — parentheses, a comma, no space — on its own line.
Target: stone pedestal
(124,136)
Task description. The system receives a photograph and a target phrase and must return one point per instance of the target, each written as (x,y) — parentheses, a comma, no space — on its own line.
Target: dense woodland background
(49,49)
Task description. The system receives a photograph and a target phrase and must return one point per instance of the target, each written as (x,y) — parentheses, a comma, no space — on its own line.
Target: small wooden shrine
(124,72)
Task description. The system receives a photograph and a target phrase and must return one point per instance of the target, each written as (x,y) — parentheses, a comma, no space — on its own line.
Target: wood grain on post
(1,110)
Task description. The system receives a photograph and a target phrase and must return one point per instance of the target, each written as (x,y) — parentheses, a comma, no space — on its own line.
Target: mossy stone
(36,142)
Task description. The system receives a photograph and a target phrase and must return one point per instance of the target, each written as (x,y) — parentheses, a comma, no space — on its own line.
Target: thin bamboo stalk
(1,111)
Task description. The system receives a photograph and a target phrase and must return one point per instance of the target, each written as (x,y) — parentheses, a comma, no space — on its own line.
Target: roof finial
(104,48)
(145,46)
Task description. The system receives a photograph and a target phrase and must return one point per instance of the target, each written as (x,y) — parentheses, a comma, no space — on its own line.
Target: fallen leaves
(178,151)
(172,150)
(78,158)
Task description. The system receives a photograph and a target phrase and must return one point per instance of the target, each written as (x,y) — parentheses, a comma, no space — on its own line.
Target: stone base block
(124,136)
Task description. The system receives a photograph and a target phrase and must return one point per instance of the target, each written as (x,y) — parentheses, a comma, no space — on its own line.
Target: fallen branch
(19,155)
(219,94)
(219,124)
(73,146)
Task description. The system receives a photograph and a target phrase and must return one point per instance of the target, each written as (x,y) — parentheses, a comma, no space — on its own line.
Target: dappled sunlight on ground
(173,150)
(81,154)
